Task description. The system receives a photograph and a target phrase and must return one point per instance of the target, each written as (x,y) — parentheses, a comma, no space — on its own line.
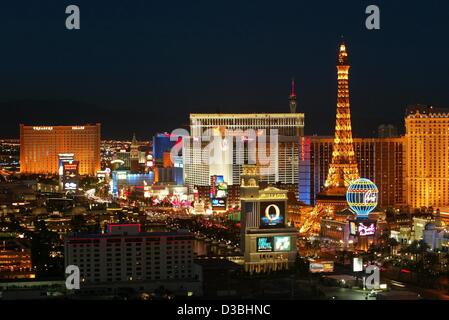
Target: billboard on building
(272,214)
(219,188)
(218,204)
(321,266)
(366,228)
(222,189)
(357,265)
(70,175)
(265,244)
(282,243)
(362,228)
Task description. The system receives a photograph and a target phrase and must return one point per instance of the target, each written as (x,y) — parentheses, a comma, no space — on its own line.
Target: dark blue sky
(143,66)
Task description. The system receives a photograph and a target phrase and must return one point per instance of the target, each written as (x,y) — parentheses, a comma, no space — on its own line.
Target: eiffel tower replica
(343,167)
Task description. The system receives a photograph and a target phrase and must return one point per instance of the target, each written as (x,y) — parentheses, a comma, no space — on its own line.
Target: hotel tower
(43,147)
(427,157)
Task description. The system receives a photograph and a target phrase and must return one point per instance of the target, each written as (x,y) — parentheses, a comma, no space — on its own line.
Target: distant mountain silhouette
(116,124)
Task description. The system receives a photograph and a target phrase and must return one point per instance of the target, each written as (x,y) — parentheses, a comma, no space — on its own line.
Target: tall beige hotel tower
(427,157)
(42,147)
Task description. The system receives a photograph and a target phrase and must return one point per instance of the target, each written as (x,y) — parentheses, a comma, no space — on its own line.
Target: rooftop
(426,111)
(245,115)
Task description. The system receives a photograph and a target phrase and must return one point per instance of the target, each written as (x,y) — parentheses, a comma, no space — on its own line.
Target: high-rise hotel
(427,157)
(282,156)
(42,147)
(244,146)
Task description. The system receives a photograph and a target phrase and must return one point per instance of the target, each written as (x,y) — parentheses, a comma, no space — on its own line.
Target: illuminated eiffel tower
(343,167)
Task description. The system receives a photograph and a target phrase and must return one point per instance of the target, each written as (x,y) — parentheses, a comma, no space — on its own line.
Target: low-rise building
(128,256)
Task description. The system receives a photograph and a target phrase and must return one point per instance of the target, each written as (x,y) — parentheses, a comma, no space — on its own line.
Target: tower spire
(343,58)
(293,94)
(292,99)
(343,168)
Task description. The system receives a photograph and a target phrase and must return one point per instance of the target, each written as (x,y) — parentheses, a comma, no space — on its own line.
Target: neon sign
(366,229)
(43,128)
(362,197)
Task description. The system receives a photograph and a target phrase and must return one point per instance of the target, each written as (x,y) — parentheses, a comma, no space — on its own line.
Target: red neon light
(405,271)
(293,94)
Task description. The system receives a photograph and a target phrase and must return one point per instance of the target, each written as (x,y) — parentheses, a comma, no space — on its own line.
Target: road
(428,294)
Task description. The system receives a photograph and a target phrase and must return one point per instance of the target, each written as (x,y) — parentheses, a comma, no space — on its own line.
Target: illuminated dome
(430,226)
(362,197)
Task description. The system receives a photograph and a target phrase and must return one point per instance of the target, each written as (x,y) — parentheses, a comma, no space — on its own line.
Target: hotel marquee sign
(43,128)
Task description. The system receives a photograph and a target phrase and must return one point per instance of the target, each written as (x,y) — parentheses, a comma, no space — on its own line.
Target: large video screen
(218,204)
(282,243)
(265,244)
(272,214)
(219,188)
(70,175)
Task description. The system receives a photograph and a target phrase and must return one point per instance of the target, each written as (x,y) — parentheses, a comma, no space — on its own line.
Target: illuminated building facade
(40,147)
(283,156)
(134,155)
(168,167)
(125,253)
(343,166)
(124,182)
(125,157)
(162,142)
(268,234)
(427,157)
(15,260)
(336,230)
(286,124)
(381,160)
(232,199)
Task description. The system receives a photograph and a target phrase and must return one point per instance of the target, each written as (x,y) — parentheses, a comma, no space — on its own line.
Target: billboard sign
(282,243)
(321,267)
(366,228)
(218,204)
(70,175)
(272,214)
(265,244)
(357,265)
(219,188)
(362,228)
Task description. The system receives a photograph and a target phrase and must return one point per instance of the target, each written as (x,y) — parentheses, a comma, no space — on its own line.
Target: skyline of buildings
(383,160)
(252,188)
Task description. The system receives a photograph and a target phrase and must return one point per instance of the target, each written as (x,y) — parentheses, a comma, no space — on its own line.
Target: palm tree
(423,248)
(392,244)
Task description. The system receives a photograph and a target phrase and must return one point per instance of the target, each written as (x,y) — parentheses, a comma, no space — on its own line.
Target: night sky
(143,66)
